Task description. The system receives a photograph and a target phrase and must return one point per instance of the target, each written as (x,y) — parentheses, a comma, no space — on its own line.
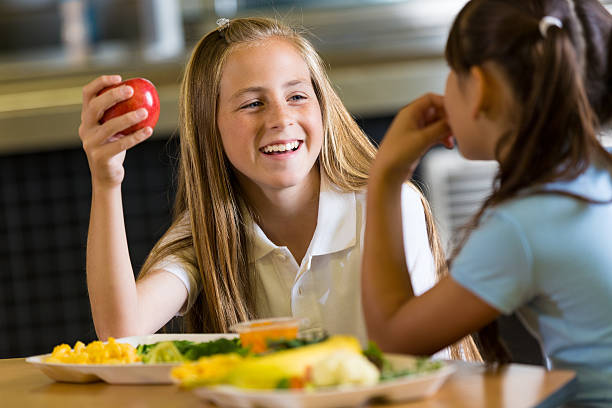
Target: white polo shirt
(326,287)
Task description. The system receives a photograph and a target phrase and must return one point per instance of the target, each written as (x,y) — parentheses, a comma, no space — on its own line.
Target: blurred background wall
(381,54)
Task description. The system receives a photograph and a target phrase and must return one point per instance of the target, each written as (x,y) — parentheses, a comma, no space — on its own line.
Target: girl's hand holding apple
(115,117)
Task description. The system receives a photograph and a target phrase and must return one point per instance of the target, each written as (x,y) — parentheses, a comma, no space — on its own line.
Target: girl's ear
(490,94)
(479,91)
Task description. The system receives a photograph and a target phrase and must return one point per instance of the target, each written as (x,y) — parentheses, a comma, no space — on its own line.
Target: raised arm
(396,319)
(120,306)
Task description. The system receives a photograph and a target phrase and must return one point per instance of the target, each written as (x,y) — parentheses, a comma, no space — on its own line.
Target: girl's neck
(288,216)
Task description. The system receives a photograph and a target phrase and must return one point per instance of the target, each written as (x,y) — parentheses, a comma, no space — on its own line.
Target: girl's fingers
(449,142)
(432,114)
(98,105)
(436,132)
(119,124)
(424,109)
(124,143)
(415,129)
(91,89)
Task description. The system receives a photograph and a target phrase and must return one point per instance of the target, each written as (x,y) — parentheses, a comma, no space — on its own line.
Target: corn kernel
(95,352)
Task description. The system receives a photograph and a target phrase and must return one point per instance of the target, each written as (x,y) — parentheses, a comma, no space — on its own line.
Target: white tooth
(281,147)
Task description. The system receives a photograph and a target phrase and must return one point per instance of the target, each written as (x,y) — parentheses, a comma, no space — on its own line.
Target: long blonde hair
(220,219)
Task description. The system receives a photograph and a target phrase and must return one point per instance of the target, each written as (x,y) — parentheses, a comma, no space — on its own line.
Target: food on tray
(285,367)
(183,350)
(257,333)
(313,361)
(419,365)
(336,361)
(344,368)
(95,352)
(255,337)
(208,370)
(113,352)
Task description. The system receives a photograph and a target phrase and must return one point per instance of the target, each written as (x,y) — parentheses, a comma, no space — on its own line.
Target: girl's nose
(279,116)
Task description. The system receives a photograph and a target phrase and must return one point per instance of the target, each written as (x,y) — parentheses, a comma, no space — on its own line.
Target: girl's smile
(281,148)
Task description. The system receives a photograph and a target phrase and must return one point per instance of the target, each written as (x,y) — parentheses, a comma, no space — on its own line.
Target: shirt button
(281,256)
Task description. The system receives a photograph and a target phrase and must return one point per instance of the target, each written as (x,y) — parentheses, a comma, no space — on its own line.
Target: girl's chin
(277,179)
(470,154)
(287,180)
(285,183)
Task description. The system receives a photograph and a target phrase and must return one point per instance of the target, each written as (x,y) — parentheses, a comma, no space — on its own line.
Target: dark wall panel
(45,200)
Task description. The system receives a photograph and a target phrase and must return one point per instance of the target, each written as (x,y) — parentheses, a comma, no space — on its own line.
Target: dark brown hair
(562,83)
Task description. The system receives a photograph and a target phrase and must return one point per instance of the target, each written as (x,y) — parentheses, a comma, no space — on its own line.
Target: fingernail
(147,131)
(128,90)
(116,78)
(141,113)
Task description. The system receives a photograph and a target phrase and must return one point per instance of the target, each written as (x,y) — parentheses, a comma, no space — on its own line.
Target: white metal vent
(456,188)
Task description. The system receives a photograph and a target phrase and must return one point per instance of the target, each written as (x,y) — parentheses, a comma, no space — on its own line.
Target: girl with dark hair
(529,87)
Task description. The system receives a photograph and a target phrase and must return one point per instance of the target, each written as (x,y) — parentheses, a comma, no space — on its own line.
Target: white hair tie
(222,22)
(548,21)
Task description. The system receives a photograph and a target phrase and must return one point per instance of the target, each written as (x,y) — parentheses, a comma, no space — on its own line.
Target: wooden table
(23,385)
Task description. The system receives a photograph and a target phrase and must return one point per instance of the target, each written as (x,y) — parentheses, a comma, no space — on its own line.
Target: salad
(179,351)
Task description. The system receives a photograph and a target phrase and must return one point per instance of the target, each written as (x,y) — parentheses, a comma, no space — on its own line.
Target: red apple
(145,96)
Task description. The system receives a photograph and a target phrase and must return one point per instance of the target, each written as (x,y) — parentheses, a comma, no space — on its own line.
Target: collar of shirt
(595,183)
(336,224)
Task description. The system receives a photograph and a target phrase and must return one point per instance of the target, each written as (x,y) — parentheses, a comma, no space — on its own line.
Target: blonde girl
(530,84)
(269,213)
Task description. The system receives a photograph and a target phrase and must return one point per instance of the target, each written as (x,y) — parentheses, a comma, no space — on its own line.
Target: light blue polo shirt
(549,258)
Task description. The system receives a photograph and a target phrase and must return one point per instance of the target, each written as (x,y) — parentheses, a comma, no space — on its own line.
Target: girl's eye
(297,97)
(254,104)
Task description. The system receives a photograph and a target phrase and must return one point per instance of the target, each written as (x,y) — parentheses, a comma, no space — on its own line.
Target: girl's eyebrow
(254,89)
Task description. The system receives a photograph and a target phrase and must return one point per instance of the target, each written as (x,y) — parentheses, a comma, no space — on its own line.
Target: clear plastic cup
(257,333)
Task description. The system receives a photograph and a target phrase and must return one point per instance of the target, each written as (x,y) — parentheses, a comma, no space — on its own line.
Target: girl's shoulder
(594,184)
(557,203)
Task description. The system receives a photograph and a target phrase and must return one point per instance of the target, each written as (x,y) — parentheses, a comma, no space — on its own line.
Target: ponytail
(556,128)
